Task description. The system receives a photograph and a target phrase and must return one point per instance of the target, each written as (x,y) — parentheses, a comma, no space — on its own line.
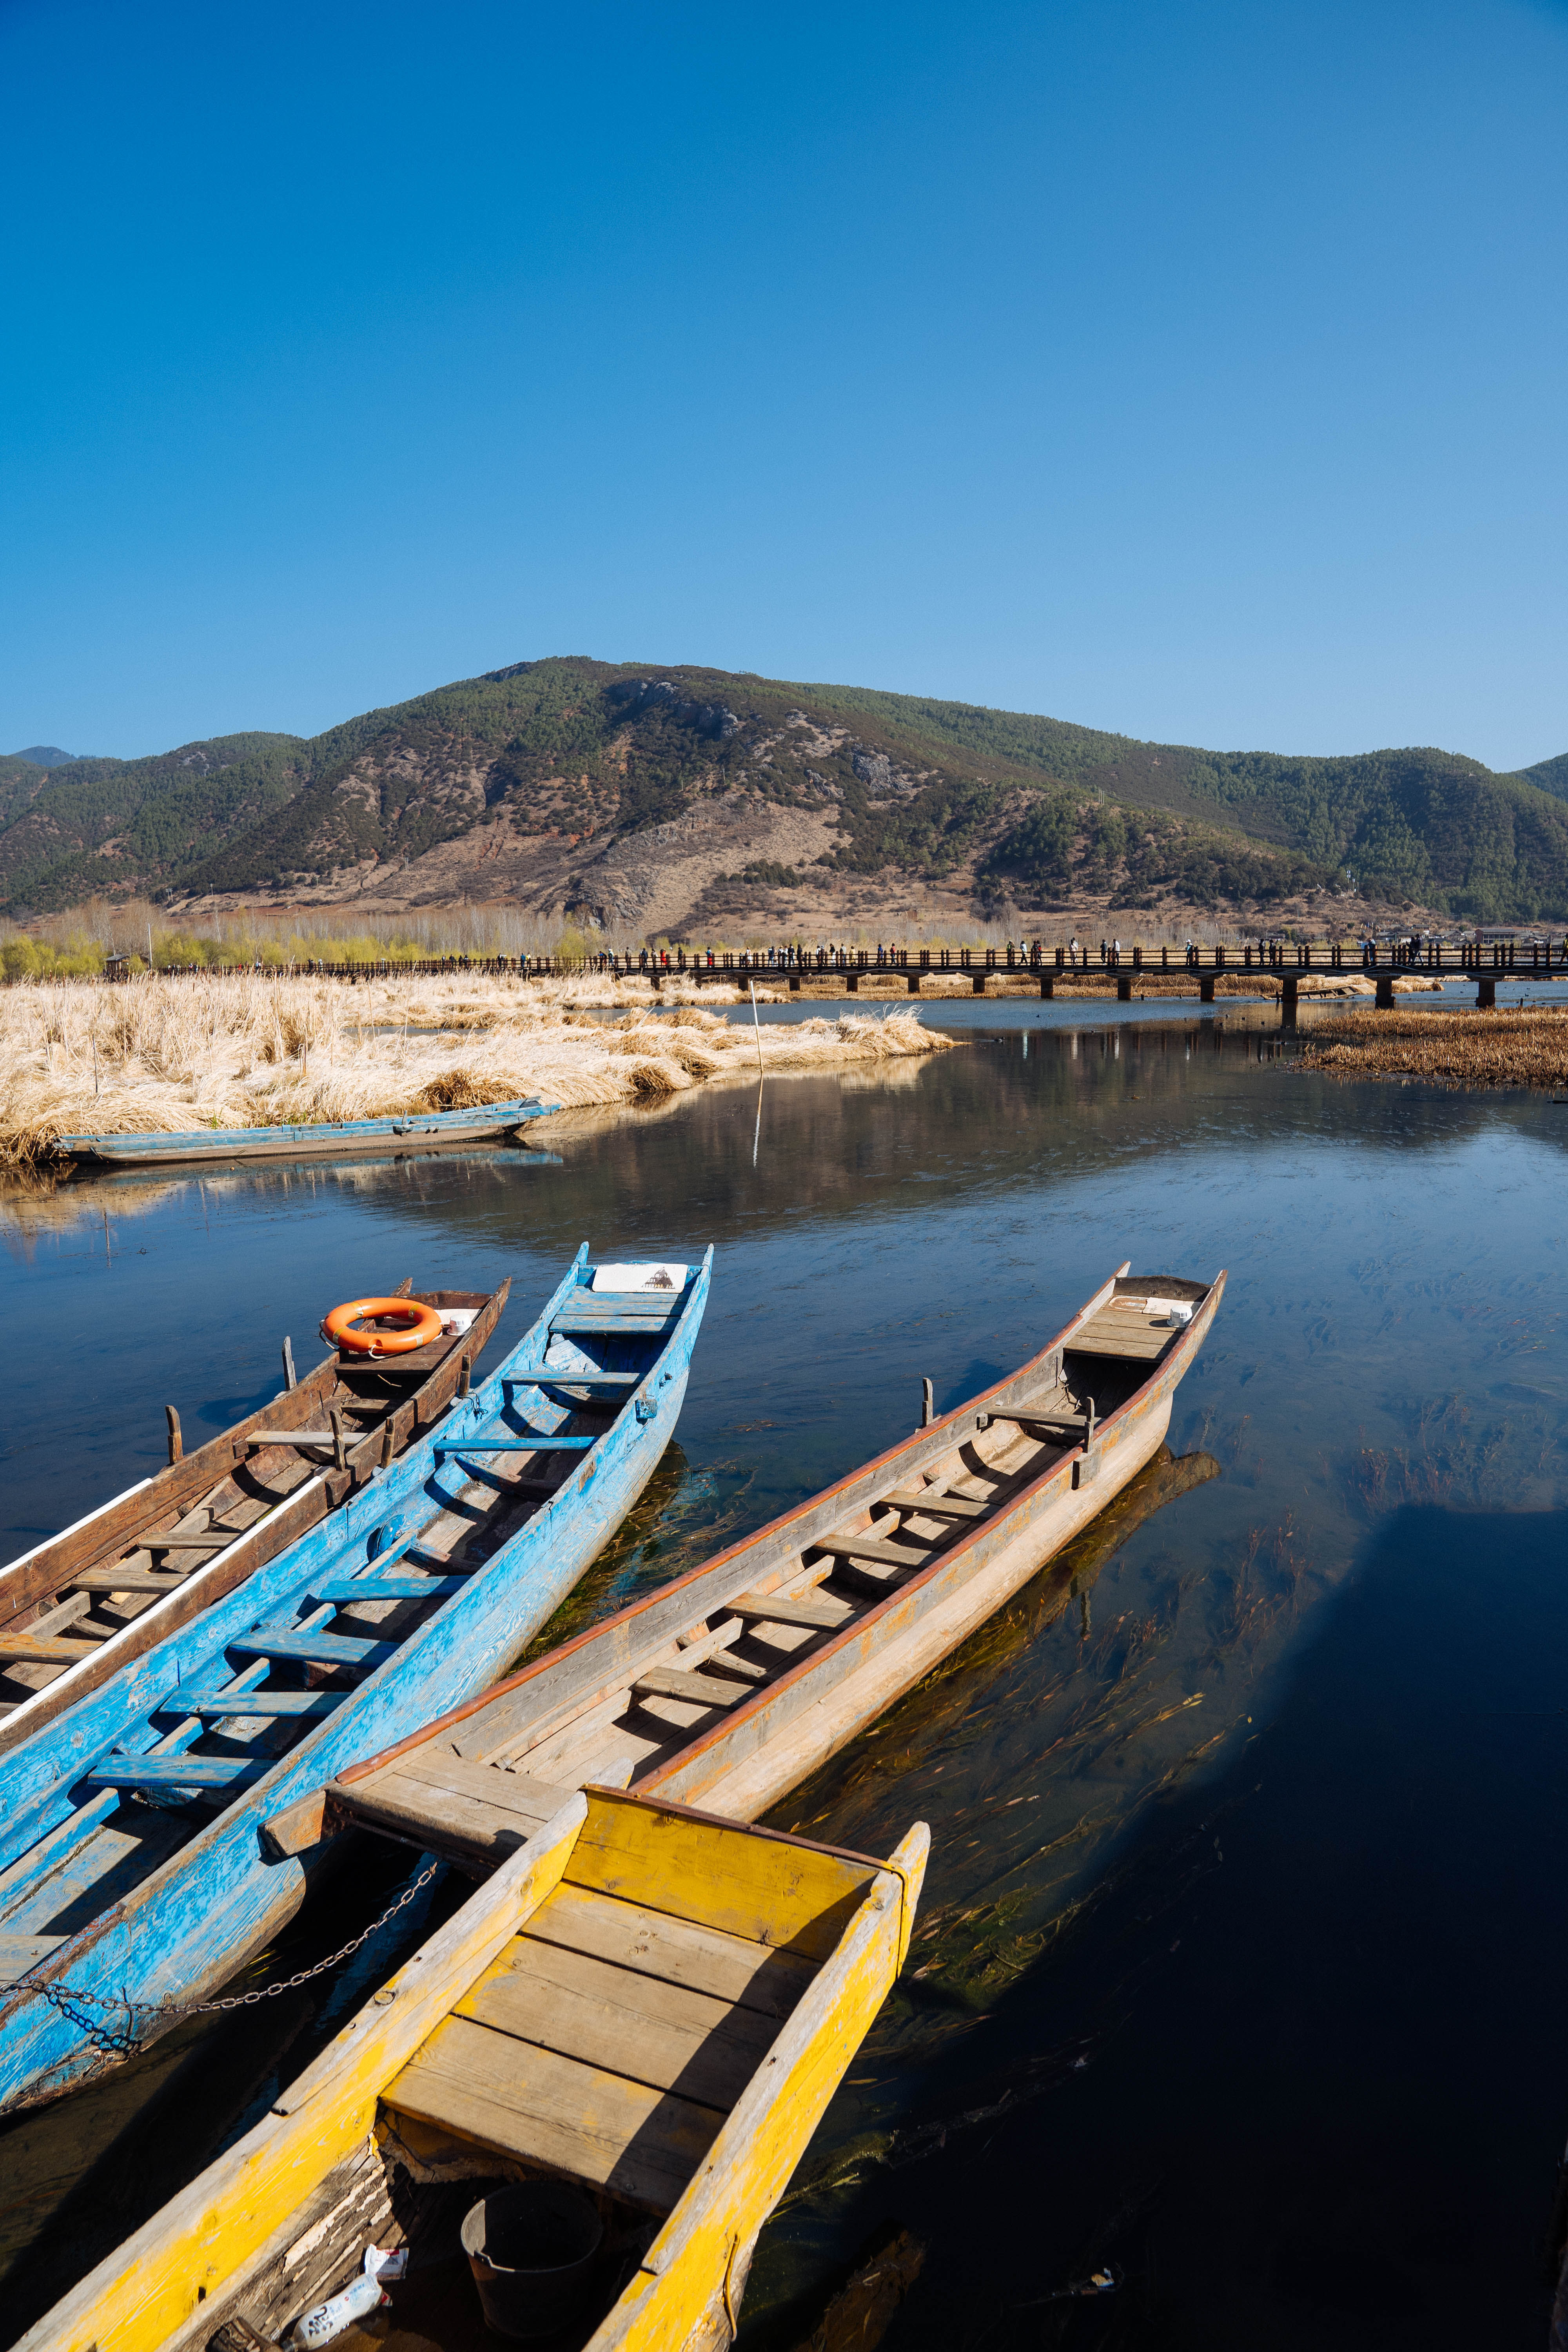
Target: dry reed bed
(1527,1049)
(162,1057)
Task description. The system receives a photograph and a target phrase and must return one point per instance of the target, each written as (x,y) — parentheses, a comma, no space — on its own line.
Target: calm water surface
(1237,1969)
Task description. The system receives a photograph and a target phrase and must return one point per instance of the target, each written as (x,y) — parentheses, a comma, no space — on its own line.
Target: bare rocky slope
(646,801)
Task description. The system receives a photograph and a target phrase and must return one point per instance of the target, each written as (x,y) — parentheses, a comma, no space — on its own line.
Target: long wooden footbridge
(1195,970)
(1285,964)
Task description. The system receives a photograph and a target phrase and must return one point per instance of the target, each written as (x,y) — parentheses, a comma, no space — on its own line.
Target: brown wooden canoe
(731,1685)
(76,1609)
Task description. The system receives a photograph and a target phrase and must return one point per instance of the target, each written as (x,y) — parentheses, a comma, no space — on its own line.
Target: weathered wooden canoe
(76,1609)
(118,1885)
(728,1686)
(294,1143)
(648,2002)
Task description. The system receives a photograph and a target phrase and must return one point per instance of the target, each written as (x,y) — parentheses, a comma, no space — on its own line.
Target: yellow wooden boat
(645,2000)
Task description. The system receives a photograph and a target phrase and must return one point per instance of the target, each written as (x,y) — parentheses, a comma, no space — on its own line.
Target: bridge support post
(1206,988)
(1048,987)
(794,983)
(914,979)
(1288,994)
(977,983)
(1124,987)
(1383,1001)
(657,978)
(1485,993)
(852,982)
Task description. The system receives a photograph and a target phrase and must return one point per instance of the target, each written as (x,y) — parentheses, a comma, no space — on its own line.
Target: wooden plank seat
(612,2037)
(536,1442)
(1124,1327)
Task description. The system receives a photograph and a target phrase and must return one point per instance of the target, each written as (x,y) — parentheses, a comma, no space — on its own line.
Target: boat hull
(32,1582)
(299,1142)
(222,1897)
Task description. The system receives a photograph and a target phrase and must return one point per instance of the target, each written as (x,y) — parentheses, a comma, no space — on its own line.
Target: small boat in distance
(728,1686)
(639,2020)
(76,1607)
(411,1127)
(133,1875)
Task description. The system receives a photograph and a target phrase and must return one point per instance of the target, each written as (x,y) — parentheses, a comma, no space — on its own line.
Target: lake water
(1237,1966)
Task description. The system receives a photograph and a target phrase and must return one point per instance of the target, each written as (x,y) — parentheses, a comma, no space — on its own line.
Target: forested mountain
(651,797)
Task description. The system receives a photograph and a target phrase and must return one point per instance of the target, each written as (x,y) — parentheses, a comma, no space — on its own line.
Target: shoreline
(167,1057)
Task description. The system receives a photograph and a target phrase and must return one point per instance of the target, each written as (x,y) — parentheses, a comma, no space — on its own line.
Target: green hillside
(1007,803)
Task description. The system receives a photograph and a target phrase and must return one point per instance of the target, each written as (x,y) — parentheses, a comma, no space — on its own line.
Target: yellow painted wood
(678,2294)
(668,2036)
(718,1874)
(151,2285)
(751,1975)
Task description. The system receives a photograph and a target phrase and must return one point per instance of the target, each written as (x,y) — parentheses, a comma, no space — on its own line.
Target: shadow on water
(1300,2079)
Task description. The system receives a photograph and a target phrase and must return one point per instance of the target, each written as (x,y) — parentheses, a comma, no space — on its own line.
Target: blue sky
(1192,371)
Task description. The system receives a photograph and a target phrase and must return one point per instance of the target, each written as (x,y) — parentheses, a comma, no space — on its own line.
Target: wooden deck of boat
(612,2036)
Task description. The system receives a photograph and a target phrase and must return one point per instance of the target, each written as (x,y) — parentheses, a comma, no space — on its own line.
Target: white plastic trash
(355,2301)
(455,1320)
(1175,1311)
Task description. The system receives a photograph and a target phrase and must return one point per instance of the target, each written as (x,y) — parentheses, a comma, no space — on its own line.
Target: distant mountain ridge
(653,797)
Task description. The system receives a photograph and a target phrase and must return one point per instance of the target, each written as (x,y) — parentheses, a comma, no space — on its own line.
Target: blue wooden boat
(294,1143)
(132,1864)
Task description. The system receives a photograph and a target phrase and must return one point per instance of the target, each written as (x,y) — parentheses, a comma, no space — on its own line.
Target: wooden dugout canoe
(231,1143)
(132,1871)
(731,1685)
(181,1540)
(645,2000)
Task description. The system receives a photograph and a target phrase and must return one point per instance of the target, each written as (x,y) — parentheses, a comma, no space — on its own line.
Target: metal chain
(72,2001)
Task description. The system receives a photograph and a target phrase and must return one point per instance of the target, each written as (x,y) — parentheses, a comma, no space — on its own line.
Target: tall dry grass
(1528,1048)
(168,1055)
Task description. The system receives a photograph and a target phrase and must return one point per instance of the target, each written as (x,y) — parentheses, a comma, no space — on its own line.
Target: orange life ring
(422,1324)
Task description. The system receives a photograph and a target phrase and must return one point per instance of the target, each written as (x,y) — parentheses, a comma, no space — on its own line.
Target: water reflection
(1381,1403)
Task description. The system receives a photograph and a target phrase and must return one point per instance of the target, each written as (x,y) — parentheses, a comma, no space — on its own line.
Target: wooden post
(928,1412)
(757,1026)
(290,1378)
(176,1443)
(339,1455)
(463,1378)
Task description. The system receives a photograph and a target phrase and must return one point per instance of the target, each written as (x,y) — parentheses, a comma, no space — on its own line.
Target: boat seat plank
(668,2036)
(314,1649)
(128,1579)
(678,1951)
(219,1703)
(538,1443)
(593,1323)
(19,1649)
(791,1609)
(888,1555)
(1123,1329)
(642,2144)
(346,1590)
(230,1773)
(698,1690)
(472,1812)
(939,1506)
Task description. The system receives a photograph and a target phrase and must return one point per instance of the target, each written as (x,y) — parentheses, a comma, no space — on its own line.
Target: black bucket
(531,2252)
